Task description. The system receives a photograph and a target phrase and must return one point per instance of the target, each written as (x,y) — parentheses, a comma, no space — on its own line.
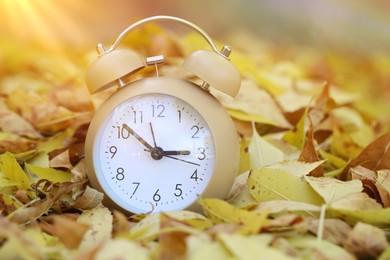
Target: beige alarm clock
(159,143)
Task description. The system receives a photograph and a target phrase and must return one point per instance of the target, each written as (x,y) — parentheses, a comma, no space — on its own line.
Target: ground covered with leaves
(314,177)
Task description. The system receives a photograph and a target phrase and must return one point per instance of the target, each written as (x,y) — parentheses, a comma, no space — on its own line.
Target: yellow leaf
(149,228)
(242,247)
(271,184)
(220,211)
(279,206)
(200,247)
(244,164)
(333,159)
(13,172)
(254,104)
(122,249)
(315,249)
(261,152)
(99,221)
(355,209)
(239,195)
(296,167)
(50,174)
(331,189)
(297,136)
(17,243)
(56,142)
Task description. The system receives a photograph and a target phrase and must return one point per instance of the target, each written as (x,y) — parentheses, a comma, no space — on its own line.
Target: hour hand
(184,152)
(136,136)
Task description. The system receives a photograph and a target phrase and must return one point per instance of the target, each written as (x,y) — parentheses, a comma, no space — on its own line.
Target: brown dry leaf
(335,231)
(62,160)
(69,232)
(42,113)
(366,241)
(172,244)
(383,185)
(309,153)
(375,156)
(11,122)
(73,97)
(37,208)
(283,223)
(89,200)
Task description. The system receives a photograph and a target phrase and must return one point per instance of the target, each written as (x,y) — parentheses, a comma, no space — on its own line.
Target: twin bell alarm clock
(159,143)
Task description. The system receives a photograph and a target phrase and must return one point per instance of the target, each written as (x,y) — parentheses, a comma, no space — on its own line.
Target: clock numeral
(136,187)
(178,191)
(113,151)
(138,117)
(156,196)
(119,174)
(179,111)
(202,153)
(195,129)
(195,175)
(123,132)
(159,110)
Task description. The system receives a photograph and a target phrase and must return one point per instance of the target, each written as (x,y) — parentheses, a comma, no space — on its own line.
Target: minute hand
(139,138)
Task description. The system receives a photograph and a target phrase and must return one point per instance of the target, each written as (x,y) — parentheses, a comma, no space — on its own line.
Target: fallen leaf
(247,248)
(11,169)
(309,153)
(67,230)
(331,189)
(366,241)
(99,221)
(296,167)
(220,211)
(272,184)
(254,104)
(335,231)
(375,156)
(50,174)
(261,152)
(122,248)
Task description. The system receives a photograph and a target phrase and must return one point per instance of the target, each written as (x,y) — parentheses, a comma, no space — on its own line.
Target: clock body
(158,144)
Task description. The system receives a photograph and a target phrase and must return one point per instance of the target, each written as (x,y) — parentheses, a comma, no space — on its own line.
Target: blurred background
(362,25)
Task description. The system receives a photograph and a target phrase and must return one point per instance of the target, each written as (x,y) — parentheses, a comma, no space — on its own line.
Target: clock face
(154,152)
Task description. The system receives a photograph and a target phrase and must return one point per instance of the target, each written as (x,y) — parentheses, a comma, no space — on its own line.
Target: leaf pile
(314,179)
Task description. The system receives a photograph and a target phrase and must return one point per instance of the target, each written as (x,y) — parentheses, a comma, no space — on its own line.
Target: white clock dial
(154,152)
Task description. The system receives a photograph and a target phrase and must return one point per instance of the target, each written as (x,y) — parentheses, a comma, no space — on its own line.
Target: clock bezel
(219,122)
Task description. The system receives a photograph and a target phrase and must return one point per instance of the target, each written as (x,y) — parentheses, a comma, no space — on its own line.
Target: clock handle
(211,66)
(165,18)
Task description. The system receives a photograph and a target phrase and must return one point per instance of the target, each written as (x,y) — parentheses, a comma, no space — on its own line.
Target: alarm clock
(159,143)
